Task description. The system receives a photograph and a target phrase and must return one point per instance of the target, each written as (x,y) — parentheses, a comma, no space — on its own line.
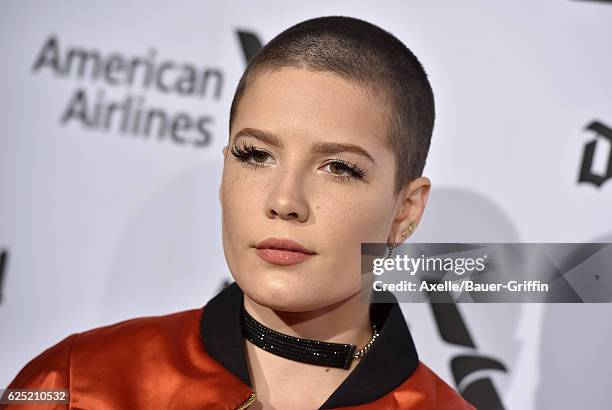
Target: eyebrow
(318,147)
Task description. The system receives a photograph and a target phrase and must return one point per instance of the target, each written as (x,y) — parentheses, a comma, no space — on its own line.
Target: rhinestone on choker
(339,355)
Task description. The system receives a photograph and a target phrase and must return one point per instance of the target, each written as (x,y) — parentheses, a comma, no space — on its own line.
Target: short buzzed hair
(361,52)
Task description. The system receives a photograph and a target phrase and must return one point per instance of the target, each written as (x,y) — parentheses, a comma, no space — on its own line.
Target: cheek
(240,194)
(354,219)
(238,198)
(345,223)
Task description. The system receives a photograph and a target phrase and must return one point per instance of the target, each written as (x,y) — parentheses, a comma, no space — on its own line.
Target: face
(306,161)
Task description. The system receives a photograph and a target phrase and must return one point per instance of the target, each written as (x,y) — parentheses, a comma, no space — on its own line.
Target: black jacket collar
(390,361)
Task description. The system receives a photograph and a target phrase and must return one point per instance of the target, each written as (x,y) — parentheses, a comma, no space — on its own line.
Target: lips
(283,244)
(281,251)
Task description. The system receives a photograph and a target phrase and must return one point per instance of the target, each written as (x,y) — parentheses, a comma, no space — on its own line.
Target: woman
(329,131)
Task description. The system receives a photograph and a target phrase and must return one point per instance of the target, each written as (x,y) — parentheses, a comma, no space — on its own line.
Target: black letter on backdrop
(480,392)
(586,173)
(49,55)
(77,107)
(250,44)
(3,259)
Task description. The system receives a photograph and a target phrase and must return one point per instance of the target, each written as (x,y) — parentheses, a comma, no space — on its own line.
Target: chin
(287,294)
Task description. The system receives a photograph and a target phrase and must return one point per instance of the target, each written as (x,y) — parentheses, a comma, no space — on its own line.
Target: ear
(412,201)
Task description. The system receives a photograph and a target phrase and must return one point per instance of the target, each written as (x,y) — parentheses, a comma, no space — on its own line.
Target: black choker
(317,352)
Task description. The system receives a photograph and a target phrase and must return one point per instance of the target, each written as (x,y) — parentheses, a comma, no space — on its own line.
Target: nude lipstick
(282,251)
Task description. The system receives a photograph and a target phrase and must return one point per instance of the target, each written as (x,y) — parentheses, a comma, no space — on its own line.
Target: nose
(287,199)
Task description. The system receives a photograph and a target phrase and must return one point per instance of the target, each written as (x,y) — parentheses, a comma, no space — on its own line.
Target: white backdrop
(102,225)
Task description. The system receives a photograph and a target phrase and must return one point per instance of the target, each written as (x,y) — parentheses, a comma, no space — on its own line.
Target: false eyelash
(352,168)
(243,153)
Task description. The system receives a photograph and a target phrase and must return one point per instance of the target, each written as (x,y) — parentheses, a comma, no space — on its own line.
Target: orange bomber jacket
(196,360)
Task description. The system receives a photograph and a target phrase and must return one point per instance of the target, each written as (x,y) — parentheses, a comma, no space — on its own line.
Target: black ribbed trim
(222,334)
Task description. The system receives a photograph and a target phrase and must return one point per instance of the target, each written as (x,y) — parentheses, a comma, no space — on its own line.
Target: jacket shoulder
(49,370)
(433,392)
(146,362)
(55,366)
(132,333)
(423,390)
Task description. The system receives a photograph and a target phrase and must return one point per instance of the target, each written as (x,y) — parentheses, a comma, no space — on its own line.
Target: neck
(346,321)
(282,383)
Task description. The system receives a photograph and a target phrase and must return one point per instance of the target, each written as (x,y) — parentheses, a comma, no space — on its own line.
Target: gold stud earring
(411,227)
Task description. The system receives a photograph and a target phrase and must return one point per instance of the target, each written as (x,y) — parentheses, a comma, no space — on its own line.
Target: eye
(345,171)
(250,156)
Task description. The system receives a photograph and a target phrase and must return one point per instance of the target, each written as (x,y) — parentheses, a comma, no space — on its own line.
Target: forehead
(296,102)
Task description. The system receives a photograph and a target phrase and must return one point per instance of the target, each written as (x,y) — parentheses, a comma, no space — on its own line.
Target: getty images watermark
(499,272)
(456,265)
